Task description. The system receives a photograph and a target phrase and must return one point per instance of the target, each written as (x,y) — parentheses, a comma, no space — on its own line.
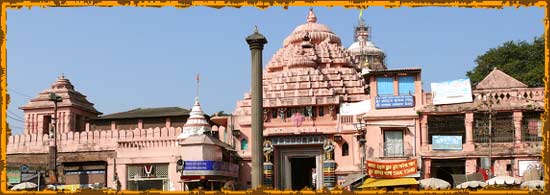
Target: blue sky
(124,57)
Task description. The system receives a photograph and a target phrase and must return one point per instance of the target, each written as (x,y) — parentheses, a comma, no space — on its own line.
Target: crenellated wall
(87,140)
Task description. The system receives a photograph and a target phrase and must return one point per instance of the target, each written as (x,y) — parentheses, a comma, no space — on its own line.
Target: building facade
(314,92)
(329,112)
(140,149)
(501,103)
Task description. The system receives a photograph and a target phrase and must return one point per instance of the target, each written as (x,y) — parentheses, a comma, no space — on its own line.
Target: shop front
(148,177)
(207,174)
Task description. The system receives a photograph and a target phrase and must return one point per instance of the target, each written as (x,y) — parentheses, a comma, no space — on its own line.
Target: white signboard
(452,92)
(524,164)
(355,108)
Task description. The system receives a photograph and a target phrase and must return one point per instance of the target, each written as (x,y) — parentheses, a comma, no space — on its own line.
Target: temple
(332,116)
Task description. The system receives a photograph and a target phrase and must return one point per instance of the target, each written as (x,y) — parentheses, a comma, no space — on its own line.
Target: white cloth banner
(355,108)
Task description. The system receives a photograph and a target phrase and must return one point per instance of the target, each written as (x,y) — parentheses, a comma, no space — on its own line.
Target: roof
(497,79)
(70,97)
(399,70)
(147,113)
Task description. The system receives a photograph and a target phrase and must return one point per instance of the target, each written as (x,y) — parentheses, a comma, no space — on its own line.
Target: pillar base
(329,174)
(268,175)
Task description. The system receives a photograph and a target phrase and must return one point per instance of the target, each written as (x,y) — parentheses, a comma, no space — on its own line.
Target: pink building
(155,148)
(514,144)
(314,91)
(331,114)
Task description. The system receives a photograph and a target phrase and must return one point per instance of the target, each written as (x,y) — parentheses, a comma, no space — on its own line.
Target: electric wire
(19,93)
(15,115)
(15,119)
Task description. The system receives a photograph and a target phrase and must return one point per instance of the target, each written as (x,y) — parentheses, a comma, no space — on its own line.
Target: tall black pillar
(256,42)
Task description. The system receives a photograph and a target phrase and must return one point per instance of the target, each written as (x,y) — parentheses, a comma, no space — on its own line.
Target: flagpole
(198,82)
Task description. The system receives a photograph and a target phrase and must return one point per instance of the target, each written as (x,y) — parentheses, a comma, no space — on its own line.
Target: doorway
(298,167)
(444,169)
(303,173)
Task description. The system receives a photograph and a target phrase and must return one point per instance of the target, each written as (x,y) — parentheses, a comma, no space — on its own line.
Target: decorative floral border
(17,4)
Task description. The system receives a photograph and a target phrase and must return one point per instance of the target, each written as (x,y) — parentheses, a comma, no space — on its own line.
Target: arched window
(345,149)
(244,144)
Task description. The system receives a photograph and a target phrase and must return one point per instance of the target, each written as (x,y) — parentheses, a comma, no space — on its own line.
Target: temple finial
(311,16)
(361,19)
(256,29)
(198,81)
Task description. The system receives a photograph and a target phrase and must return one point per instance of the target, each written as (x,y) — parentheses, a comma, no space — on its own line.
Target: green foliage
(220,113)
(522,60)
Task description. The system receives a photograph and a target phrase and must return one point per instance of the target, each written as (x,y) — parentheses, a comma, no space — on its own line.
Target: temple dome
(368,48)
(196,123)
(317,32)
(310,45)
(365,55)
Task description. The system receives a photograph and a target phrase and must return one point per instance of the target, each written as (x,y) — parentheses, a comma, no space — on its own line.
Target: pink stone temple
(318,97)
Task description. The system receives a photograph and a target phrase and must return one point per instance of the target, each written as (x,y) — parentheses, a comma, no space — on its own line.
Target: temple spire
(311,18)
(197,92)
(361,19)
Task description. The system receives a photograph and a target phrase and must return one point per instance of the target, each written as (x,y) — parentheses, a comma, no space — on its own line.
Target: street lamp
(361,137)
(489,103)
(53,135)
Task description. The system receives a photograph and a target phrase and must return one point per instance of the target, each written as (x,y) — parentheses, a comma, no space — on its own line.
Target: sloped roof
(497,79)
(70,97)
(148,113)
(204,139)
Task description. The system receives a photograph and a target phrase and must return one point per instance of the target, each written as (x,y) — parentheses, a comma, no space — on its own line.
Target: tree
(522,60)
(220,113)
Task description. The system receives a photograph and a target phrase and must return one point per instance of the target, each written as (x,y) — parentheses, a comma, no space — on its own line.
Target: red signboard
(391,169)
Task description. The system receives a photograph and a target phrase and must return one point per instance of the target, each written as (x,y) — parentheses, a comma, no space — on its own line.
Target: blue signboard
(446,142)
(403,101)
(207,165)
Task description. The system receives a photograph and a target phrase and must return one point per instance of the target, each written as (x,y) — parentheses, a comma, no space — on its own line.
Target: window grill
(446,125)
(159,171)
(502,125)
(531,127)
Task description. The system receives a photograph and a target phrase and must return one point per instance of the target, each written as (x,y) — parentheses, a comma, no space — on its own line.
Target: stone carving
(331,111)
(266,114)
(282,113)
(329,149)
(309,111)
(268,149)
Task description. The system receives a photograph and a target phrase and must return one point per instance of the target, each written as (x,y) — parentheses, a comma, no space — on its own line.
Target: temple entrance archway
(303,172)
(298,167)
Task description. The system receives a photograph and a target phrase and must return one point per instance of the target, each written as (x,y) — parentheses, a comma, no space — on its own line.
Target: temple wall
(91,140)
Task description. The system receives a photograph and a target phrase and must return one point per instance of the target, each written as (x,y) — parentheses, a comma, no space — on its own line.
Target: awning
(373,182)
(352,178)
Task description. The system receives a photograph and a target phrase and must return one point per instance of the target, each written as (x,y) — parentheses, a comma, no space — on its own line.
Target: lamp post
(361,137)
(53,135)
(489,103)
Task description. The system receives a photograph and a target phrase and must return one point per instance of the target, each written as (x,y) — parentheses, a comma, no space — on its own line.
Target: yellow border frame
(7,4)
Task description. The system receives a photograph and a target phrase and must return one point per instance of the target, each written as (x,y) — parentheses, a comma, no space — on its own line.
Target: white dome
(196,123)
(368,48)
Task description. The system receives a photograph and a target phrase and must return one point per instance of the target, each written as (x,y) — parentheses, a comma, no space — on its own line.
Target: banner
(355,108)
(392,169)
(452,92)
